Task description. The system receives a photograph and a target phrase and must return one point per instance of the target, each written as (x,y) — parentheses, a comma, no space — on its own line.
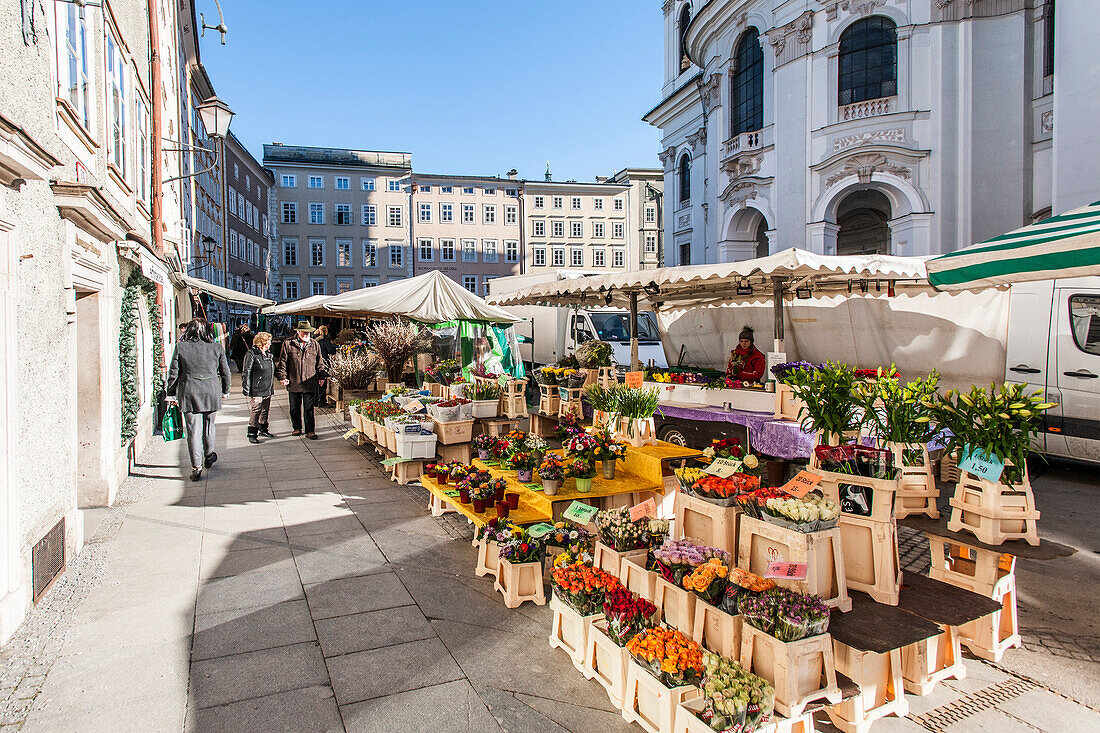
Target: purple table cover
(778,438)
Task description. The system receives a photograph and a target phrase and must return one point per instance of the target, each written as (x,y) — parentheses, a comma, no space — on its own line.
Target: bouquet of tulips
(618,532)
(735,700)
(708,581)
(678,558)
(583,587)
(670,656)
(627,614)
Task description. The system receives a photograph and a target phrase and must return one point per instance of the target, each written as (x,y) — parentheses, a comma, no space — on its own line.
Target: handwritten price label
(723,467)
(786,570)
(634,379)
(981,464)
(503,380)
(647,508)
(540,530)
(580,513)
(802,484)
(413,406)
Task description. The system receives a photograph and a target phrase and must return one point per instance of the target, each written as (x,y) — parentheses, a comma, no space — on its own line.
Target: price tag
(350,433)
(540,530)
(723,467)
(802,484)
(534,487)
(786,570)
(563,393)
(392,461)
(647,508)
(452,492)
(413,406)
(503,380)
(634,379)
(981,464)
(580,513)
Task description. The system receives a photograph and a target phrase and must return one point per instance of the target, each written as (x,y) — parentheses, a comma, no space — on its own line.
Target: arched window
(1048,38)
(685,20)
(685,180)
(868,60)
(747,85)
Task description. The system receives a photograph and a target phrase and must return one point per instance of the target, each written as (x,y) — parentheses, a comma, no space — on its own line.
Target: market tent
(220,293)
(430,298)
(1062,246)
(306,306)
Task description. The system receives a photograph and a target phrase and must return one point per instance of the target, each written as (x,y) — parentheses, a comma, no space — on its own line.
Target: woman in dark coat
(258,384)
(239,345)
(198,379)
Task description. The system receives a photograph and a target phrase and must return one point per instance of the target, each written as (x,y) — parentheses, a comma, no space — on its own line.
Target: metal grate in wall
(48,558)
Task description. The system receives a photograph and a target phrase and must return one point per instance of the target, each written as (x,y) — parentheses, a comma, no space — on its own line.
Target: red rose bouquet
(627,614)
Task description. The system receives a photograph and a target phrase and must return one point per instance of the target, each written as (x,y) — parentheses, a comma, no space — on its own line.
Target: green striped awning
(1061,246)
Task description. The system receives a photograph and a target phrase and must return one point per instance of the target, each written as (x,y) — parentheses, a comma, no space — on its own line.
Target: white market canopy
(699,285)
(429,298)
(220,293)
(306,306)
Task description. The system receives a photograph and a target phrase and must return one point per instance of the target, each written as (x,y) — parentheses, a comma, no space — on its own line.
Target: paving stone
(1052,712)
(576,718)
(220,564)
(256,674)
(452,707)
(251,590)
(107,715)
(323,565)
(361,631)
(246,630)
(994,721)
(356,595)
(376,513)
(378,672)
(349,522)
(309,709)
(978,676)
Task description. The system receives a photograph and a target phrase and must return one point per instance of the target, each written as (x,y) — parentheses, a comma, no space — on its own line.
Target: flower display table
(880,688)
(762,542)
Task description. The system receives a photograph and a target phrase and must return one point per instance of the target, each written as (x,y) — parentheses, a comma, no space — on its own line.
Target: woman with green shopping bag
(198,380)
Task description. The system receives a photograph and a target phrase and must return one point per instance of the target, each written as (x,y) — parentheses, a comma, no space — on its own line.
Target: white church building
(908,127)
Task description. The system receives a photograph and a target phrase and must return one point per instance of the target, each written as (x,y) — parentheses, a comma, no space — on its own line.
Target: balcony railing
(741,143)
(868,108)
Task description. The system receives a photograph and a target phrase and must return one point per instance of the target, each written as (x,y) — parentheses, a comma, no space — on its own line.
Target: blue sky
(466,87)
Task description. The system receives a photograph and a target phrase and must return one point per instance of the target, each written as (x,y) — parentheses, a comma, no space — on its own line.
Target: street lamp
(216,116)
(209,244)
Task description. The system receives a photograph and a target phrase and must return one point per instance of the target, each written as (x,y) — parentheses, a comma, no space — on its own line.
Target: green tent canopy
(1062,246)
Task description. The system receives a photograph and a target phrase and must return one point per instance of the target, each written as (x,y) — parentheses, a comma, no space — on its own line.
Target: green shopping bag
(171,424)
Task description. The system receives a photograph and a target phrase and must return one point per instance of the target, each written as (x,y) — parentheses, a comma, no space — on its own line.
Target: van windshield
(616,326)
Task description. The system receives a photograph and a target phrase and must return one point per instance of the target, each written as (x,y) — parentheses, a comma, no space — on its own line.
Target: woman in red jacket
(746,362)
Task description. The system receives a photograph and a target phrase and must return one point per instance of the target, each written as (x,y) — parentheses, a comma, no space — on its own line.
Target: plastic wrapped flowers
(627,614)
(811,513)
(583,587)
(708,581)
(619,533)
(733,698)
(677,558)
(669,656)
(786,614)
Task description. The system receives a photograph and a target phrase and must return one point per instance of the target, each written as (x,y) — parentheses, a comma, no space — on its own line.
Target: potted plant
(520,577)
(482,496)
(500,449)
(829,405)
(635,408)
(524,462)
(604,402)
(608,450)
(485,398)
(483,444)
(583,472)
(551,471)
(567,427)
(581,444)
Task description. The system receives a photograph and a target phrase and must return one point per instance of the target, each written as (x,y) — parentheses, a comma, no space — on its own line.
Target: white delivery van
(1054,345)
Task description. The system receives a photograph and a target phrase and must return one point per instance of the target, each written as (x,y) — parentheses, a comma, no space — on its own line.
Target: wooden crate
(993,512)
(488,558)
(520,582)
(973,568)
(928,662)
(917,490)
(881,691)
(677,605)
(762,542)
(883,492)
(636,578)
(461,452)
(543,425)
(801,671)
(609,560)
(705,522)
(455,431)
(717,630)
(513,399)
(871,557)
(605,661)
(569,402)
(569,631)
(991,636)
(649,703)
(787,406)
(687,721)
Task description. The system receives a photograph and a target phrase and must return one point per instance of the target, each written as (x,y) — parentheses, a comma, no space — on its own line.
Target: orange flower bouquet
(708,580)
(583,587)
(669,656)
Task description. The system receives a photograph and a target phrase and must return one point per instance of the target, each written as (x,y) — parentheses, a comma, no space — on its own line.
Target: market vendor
(746,362)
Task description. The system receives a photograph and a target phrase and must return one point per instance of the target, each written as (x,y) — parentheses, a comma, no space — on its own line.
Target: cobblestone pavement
(296,588)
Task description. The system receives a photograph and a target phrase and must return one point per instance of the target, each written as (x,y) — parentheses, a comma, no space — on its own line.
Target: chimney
(513,174)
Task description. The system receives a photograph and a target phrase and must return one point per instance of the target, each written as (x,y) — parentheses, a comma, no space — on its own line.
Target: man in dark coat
(301,370)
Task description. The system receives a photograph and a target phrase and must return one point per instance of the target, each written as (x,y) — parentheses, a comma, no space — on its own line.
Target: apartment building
(343,218)
(645,216)
(576,224)
(247,187)
(468,227)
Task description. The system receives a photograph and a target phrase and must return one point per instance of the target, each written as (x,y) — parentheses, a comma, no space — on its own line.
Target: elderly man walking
(301,370)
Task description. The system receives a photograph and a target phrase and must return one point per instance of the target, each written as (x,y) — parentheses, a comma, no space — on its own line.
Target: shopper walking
(258,384)
(239,345)
(301,370)
(328,348)
(198,379)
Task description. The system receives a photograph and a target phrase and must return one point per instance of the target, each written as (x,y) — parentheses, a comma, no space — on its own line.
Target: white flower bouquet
(811,513)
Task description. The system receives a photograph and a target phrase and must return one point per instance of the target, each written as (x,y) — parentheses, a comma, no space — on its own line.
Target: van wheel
(673,435)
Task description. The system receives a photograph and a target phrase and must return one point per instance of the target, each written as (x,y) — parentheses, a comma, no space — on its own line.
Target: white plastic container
(485,408)
(415,445)
(466,411)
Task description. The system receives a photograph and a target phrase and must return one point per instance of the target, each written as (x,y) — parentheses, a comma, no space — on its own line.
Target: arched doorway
(863,223)
(744,236)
